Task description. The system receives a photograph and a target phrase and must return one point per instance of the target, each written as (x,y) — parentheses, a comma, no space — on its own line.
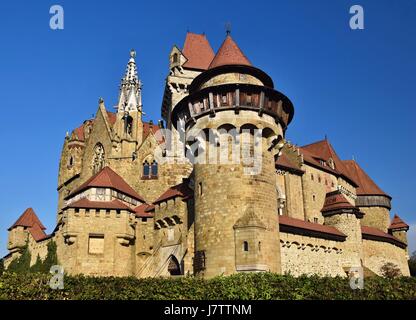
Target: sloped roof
(398,223)
(309,227)
(198,51)
(28,219)
(181,190)
(152,128)
(334,201)
(371,233)
(366,185)
(80,131)
(323,150)
(144,210)
(87,204)
(284,162)
(229,54)
(107,178)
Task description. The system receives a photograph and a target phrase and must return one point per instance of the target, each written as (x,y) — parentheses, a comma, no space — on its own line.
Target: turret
(234,123)
(341,214)
(398,228)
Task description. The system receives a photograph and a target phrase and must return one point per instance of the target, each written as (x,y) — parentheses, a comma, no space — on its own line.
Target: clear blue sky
(355,86)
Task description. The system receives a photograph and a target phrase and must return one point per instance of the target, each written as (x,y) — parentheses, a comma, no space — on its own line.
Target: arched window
(154,169)
(175,58)
(146,169)
(99,158)
(245,246)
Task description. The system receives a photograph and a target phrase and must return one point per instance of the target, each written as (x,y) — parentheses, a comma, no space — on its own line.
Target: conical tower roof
(229,54)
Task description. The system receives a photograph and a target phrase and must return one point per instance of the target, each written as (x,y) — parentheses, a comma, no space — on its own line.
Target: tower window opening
(245,246)
(312,177)
(200,189)
(313,197)
(319,179)
(71,161)
(315,220)
(175,58)
(224,99)
(146,169)
(259,246)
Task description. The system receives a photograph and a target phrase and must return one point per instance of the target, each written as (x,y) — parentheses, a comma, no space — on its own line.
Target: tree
(1,266)
(412,264)
(390,270)
(22,263)
(38,266)
(51,258)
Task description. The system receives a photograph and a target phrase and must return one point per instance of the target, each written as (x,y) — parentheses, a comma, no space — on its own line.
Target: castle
(214,189)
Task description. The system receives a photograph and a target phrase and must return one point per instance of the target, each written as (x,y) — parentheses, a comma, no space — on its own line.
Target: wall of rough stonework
(307,255)
(79,254)
(377,253)
(316,184)
(224,192)
(294,196)
(376,217)
(348,224)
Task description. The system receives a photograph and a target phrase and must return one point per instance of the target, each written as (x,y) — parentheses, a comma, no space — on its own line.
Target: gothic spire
(130,88)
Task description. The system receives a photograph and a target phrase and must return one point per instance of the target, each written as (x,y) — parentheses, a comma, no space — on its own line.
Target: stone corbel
(70,237)
(124,239)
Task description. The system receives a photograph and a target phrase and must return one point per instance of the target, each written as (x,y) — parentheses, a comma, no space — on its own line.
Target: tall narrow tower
(234,124)
(129,126)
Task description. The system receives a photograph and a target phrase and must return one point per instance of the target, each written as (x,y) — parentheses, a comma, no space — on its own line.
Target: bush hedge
(250,286)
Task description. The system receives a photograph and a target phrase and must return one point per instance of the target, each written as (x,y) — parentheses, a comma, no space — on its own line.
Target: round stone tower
(234,123)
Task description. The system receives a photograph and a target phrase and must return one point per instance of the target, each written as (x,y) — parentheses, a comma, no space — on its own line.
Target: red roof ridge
(377,234)
(197,51)
(28,219)
(229,54)
(320,228)
(107,178)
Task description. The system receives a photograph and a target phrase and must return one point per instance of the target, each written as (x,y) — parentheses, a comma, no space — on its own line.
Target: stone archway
(174,267)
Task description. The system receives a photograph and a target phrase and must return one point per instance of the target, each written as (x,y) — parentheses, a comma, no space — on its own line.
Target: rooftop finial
(228,28)
(132,53)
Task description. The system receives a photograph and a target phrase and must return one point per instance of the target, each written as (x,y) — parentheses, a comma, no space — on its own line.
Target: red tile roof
(398,223)
(144,210)
(152,128)
(284,162)
(371,233)
(198,51)
(87,204)
(112,117)
(334,201)
(30,220)
(181,190)
(366,186)
(229,54)
(310,227)
(107,178)
(323,150)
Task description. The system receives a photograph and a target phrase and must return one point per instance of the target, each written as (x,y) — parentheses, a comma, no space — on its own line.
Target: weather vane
(228,28)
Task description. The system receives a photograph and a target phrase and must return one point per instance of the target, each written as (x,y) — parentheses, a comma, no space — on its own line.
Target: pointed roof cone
(28,219)
(336,203)
(398,223)
(324,150)
(197,51)
(229,54)
(107,178)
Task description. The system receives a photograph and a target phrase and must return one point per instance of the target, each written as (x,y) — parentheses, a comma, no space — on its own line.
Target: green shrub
(412,264)
(248,286)
(1,266)
(22,264)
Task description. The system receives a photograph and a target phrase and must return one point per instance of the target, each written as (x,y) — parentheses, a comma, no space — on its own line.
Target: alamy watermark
(57,279)
(56,22)
(357,20)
